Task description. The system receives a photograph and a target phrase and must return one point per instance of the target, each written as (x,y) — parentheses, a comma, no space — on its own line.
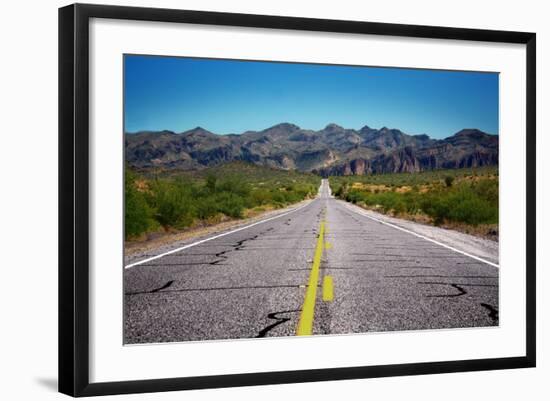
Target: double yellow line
(305,325)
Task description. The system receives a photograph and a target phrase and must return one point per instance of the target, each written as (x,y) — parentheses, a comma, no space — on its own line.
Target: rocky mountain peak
(289,127)
(333,127)
(197,131)
(330,151)
(471,132)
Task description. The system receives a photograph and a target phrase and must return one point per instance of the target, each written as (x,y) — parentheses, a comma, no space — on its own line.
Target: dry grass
(141,185)
(487,231)
(385,188)
(403,189)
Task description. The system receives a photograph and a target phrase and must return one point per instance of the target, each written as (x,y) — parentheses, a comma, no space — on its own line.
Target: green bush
(470,202)
(462,204)
(177,199)
(469,207)
(206,208)
(261,196)
(230,204)
(234,185)
(137,213)
(210,184)
(435,206)
(172,203)
(487,189)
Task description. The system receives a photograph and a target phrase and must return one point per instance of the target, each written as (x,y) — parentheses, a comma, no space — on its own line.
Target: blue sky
(228,96)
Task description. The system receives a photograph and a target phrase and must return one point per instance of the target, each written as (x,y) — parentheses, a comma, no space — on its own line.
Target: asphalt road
(322,269)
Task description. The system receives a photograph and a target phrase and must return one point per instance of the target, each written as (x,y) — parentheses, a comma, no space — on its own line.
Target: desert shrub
(467,201)
(234,185)
(206,208)
(261,196)
(487,189)
(176,199)
(461,205)
(138,216)
(173,203)
(391,202)
(230,204)
(210,184)
(468,207)
(355,196)
(412,202)
(435,206)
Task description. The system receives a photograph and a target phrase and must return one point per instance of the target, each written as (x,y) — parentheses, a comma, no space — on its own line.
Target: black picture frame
(74,198)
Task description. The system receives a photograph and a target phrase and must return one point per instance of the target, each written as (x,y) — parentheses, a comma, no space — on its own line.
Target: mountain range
(333,150)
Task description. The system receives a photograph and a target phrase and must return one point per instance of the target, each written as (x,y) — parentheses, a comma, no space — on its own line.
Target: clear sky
(226,96)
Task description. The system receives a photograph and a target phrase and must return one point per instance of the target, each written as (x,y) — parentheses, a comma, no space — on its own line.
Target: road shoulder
(173,241)
(480,247)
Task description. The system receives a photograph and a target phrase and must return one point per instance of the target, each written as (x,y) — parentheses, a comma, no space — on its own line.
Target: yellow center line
(305,325)
(328,289)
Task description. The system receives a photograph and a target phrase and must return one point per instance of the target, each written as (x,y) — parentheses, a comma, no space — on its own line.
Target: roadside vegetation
(462,199)
(164,201)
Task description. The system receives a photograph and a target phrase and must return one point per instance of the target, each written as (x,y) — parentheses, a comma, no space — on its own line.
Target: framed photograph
(251,199)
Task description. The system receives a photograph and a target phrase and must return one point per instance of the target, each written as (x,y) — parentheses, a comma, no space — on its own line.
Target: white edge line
(214,237)
(420,236)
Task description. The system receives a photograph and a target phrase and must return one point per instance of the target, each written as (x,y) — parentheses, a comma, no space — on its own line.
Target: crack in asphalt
(166,285)
(408,256)
(376,267)
(279,321)
(322,268)
(275,248)
(438,275)
(221,257)
(358,235)
(176,264)
(409,248)
(216,289)
(493,312)
(238,246)
(461,290)
(284,237)
(200,254)
(383,260)
(381,267)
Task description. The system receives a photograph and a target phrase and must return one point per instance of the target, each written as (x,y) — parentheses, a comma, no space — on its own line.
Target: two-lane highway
(324,268)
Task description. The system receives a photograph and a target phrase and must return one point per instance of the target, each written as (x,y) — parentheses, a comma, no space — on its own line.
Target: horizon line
(300,128)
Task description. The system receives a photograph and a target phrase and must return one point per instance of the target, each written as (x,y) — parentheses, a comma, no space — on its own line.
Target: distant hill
(333,150)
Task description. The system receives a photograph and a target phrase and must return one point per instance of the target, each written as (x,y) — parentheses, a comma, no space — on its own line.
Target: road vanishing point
(322,268)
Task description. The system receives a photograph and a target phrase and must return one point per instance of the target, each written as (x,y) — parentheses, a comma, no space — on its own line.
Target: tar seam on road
(421,236)
(214,237)
(305,325)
